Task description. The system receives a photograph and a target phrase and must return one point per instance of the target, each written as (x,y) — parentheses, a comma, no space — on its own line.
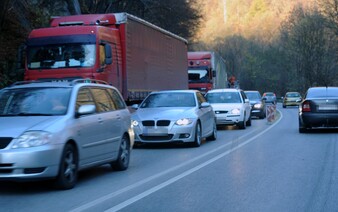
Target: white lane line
(153,177)
(184,174)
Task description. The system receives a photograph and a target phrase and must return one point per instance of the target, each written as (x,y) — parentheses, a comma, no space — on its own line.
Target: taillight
(306,107)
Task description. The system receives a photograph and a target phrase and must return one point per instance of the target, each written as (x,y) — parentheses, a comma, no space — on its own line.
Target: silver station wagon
(53,130)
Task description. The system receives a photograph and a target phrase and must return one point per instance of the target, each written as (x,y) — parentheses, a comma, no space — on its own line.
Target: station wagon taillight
(306,107)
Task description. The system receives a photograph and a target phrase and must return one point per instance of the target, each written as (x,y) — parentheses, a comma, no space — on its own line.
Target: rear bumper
(319,120)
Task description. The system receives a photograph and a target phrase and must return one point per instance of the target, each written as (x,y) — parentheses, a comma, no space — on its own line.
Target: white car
(231,107)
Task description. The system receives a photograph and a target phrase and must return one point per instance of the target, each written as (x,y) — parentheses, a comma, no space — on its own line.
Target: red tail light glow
(306,107)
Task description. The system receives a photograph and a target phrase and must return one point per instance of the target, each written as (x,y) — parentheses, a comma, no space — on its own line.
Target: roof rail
(87,80)
(26,82)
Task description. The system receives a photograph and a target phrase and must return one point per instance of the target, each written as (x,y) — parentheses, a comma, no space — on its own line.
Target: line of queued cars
(53,130)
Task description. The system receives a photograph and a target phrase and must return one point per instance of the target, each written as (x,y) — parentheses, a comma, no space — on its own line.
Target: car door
(206,115)
(110,119)
(89,127)
(247,106)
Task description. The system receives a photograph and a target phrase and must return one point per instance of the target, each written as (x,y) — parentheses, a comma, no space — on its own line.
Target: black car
(319,109)
(257,104)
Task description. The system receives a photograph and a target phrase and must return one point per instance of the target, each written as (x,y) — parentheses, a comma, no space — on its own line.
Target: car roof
(292,92)
(176,91)
(62,84)
(224,90)
(251,91)
(323,88)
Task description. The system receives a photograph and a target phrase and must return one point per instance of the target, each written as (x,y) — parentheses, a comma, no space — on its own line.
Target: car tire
(248,123)
(262,114)
(123,158)
(198,135)
(68,169)
(214,133)
(302,128)
(242,124)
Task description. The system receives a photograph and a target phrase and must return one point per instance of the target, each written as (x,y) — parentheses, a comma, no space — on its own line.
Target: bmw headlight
(32,139)
(134,123)
(183,122)
(236,111)
(257,106)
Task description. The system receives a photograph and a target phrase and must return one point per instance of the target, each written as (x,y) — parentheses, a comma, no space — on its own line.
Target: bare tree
(310,47)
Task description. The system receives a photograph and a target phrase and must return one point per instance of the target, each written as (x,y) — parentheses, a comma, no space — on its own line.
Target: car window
(169,99)
(293,95)
(117,99)
(103,100)
(34,101)
(223,97)
(322,92)
(243,96)
(84,97)
(200,98)
(252,95)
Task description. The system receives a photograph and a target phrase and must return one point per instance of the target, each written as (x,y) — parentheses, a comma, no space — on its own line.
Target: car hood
(227,106)
(252,102)
(164,113)
(14,126)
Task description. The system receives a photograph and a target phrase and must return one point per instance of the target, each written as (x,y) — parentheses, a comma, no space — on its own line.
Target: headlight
(183,122)
(236,111)
(134,123)
(257,106)
(32,139)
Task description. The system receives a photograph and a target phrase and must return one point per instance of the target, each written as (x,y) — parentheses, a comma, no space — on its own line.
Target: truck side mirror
(108,53)
(213,73)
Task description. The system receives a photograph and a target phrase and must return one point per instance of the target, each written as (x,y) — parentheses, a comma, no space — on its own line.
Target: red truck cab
(127,52)
(206,71)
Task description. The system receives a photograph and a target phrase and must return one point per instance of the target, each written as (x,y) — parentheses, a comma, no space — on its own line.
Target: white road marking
(170,181)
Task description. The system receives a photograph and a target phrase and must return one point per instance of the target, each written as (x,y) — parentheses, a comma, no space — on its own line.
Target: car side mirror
(246,101)
(135,106)
(85,110)
(205,104)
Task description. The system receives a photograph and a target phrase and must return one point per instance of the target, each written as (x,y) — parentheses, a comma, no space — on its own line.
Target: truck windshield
(198,75)
(61,56)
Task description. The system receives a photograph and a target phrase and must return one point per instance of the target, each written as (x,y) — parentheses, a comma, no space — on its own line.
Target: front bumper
(291,103)
(172,133)
(30,163)
(223,119)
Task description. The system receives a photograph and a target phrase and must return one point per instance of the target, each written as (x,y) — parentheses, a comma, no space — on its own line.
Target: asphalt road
(266,167)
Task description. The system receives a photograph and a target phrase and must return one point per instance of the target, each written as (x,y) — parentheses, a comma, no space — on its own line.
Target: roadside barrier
(270,113)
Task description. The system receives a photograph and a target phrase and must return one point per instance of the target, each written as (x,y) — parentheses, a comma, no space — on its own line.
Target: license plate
(327,107)
(155,131)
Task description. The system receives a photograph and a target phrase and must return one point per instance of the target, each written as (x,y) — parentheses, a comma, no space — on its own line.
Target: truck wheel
(198,135)
(67,176)
(123,158)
